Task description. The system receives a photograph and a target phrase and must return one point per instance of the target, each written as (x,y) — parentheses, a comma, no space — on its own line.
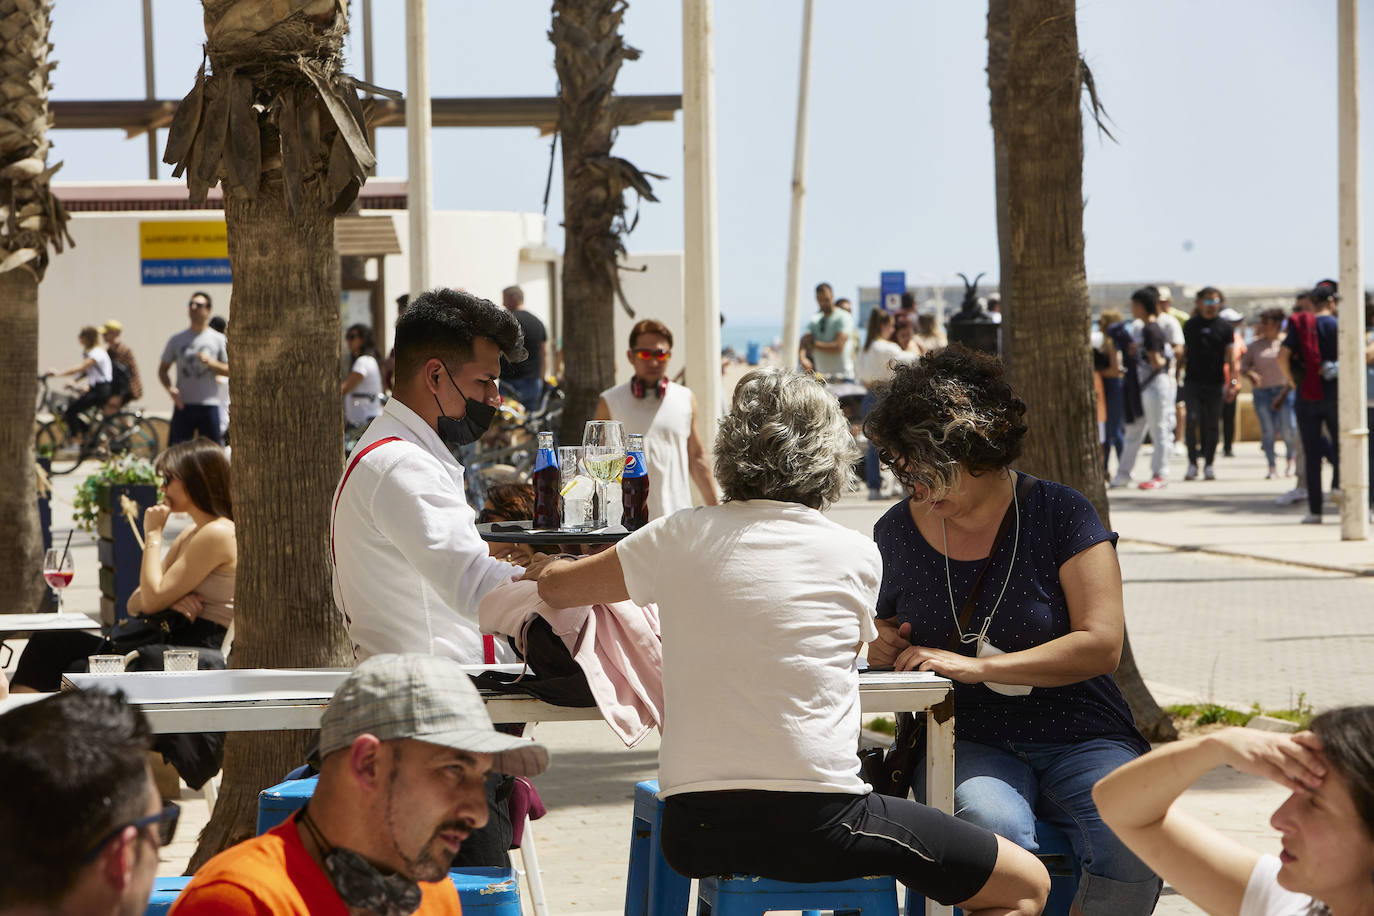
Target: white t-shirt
(365,400)
(872,364)
(1264,897)
(763,605)
(102,371)
(1173,331)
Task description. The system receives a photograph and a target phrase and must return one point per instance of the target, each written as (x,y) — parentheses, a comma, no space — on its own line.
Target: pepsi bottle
(634,485)
(546,481)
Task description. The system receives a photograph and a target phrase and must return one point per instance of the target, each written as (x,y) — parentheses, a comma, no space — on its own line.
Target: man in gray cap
(405,747)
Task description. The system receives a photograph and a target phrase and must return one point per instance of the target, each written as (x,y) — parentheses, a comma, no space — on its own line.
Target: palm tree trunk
(21,540)
(588,53)
(1038,120)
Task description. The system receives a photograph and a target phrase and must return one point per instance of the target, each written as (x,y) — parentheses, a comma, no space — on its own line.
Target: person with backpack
(1149,394)
(1308,359)
(127,385)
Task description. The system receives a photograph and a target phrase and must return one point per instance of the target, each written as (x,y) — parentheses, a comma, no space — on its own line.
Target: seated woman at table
(509,502)
(1040,718)
(765,604)
(1326,825)
(195,581)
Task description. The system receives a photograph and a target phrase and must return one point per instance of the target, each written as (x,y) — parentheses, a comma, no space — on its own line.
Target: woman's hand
(962,668)
(155,518)
(1292,761)
(892,641)
(189,606)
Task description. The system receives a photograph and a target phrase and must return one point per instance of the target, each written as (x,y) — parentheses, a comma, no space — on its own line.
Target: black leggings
(50,655)
(826,836)
(96,394)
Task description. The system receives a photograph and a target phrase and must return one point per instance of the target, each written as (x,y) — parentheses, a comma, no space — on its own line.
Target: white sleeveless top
(666,425)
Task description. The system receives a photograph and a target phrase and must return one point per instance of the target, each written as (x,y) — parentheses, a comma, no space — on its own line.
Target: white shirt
(666,425)
(365,400)
(102,371)
(1264,897)
(409,568)
(763,605)
(872,365)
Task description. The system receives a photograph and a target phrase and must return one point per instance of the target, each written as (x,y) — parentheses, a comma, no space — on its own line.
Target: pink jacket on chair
(618,647)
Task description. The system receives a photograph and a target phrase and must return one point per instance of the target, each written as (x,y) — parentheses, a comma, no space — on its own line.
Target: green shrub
(95,490)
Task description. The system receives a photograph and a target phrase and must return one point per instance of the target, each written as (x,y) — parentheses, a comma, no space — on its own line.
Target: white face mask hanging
(986,648)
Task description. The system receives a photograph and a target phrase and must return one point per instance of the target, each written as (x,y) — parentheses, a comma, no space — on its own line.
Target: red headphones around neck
(640,390)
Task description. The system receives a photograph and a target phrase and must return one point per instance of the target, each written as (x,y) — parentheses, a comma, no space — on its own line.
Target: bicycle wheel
(161,429)
(52,438)
(139,439)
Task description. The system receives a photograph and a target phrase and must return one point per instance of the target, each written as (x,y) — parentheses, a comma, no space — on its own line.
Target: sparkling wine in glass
(58,571)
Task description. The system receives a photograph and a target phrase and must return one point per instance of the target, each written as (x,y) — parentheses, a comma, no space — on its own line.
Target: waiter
(409,566)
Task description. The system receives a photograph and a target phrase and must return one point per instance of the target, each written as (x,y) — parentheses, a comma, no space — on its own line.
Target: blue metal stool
(652,888)
(283,800)
(1057,855)
(165,893)
(747,895)
(487,891)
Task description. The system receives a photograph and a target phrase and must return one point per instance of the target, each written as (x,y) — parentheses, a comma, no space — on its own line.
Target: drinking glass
(576,489)
(58,570)
(604,445)
(180,659)
(105,664)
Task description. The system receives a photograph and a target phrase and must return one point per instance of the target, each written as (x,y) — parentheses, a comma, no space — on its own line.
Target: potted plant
(98,505)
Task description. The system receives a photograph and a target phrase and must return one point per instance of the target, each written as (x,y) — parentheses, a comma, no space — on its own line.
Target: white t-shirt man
(763,605)
(409,567)
(1264,896)
(365,400)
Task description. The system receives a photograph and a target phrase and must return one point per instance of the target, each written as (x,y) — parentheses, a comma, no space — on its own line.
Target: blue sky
(1224,112)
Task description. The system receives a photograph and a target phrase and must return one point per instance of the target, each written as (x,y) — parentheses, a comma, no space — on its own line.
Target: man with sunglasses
(200,353)
(665,413)
(1208,348)
(82,823)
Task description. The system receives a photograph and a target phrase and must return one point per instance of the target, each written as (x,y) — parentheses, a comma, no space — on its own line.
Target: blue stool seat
(1057,855)
(746,895)
(487,891)
(165,893)
(283,800)
(652,888)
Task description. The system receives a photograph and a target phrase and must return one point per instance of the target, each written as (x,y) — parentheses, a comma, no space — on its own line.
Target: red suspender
(351,465)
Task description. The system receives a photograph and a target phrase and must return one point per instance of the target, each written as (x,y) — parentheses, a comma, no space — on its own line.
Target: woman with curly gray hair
(764,605)
(1010,587)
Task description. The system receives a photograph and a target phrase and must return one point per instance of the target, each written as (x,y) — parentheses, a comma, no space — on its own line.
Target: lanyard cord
(982,633)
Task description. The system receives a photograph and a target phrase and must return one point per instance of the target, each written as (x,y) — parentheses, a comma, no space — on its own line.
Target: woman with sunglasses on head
(1326,864)
(192,586)
(1010,587)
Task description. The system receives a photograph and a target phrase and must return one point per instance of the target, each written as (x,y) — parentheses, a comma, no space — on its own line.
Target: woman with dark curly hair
(765,604)
(1009,586)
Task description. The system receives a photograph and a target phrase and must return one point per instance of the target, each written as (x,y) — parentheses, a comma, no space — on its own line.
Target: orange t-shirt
(274,874)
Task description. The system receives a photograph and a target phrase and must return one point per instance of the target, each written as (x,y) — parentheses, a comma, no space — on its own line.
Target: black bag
(554,676)
(122,379)
(891,773)
(154,628)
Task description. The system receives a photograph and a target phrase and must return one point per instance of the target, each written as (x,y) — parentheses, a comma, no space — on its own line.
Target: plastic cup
(180,659)
(105,664)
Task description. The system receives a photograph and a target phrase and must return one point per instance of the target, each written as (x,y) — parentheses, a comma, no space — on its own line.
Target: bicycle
(125,432)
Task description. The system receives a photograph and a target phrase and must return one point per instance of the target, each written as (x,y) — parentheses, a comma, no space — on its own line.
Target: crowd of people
(1005,584)
(1177,379)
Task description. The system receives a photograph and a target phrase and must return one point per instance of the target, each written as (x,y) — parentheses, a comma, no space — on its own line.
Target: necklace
(982,633)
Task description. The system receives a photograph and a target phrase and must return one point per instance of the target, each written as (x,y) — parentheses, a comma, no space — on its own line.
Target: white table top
(12,624)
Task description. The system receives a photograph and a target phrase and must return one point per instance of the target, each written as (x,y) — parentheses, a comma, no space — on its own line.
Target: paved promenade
(1228,599)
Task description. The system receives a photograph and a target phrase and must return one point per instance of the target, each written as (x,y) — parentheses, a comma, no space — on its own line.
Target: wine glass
(604,458)
(58,570)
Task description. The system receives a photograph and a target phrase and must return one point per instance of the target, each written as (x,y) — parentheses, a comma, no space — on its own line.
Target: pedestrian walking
(874,367)
(200,354)
(1153,357)
(1111,373)
(1269,391)
(526,378)
(1231,391)
(1308,359)
(1209,348)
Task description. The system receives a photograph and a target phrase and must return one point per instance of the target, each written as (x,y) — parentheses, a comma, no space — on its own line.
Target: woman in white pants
(1151,355)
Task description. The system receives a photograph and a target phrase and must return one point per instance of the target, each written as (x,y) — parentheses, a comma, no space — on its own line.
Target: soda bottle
(546,480)
(634,485)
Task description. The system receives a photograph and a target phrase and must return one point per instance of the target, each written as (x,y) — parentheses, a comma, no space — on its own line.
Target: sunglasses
(1211,302)
(659,356)
(197,304)
(166,821)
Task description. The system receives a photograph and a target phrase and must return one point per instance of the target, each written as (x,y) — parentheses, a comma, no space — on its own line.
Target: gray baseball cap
(428,698)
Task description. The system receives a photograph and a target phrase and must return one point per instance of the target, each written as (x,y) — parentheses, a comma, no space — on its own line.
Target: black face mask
(359,883)
(456,432)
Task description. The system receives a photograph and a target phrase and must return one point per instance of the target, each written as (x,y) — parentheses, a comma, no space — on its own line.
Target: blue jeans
(1006,791)
(872,471)
(1116,425)
(1275,423)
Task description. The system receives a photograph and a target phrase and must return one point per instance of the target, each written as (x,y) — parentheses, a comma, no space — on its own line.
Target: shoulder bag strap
(1024,483)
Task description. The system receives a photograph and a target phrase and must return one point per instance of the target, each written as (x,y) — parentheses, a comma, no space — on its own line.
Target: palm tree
(280,126)
(588,52)
(31,221)
(1036,78)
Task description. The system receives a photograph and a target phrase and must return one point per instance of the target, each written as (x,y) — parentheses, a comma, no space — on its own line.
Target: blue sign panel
(187,270)
(891,283)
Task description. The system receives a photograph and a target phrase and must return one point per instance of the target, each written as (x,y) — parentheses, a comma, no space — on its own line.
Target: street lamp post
(1353,417)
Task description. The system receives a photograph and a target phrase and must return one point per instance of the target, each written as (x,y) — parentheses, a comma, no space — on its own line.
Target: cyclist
(129,388)
(95,367)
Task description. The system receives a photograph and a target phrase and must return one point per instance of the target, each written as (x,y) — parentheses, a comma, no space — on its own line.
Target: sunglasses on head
(655,355)
(166,821)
